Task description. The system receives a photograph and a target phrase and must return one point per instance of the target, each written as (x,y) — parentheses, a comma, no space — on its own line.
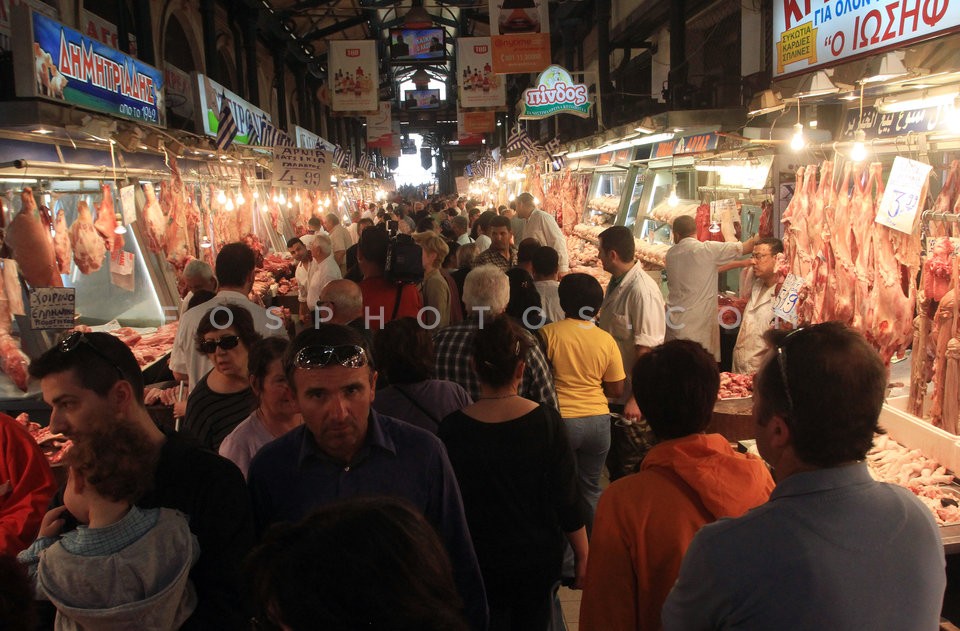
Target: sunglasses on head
(347,355)
(75,339)
(226,343)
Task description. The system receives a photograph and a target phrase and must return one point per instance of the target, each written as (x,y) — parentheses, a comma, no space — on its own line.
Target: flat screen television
(417,44)
(421,99)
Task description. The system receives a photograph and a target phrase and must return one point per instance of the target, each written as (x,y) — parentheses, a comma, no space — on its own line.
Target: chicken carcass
(88,246)
(154,221)
(32,246)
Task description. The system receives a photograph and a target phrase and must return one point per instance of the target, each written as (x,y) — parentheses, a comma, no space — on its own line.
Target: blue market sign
(877,124)
(60,64)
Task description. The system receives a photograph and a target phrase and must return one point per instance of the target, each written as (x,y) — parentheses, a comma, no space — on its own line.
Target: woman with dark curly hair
(404,352)
(223,397)
(368,563)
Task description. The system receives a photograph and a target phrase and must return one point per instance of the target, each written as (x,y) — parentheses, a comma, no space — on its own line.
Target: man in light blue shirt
(832,549)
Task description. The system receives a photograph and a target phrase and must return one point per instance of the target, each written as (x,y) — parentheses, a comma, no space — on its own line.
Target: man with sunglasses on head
(758,315)
(832,549)
(92,382)
(346,449)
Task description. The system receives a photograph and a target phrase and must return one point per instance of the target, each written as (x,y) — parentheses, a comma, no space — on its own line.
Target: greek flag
(350,160)
(553,148)
(339,157)
(365,163)
(226,126)
(275,137)
(519,139)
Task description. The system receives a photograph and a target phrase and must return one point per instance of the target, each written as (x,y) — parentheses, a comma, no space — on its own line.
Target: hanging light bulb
(221,198)
(714,226)
(297,198)
(858,153)
(673,200)
(120,229)
(205,242)
(282,200)
(229,206)
(256,194)
(798,142)
(289,204)
(326,202)
(240,199)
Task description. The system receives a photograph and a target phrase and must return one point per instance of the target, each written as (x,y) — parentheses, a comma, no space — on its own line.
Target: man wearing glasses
(346,449)
(92,382)
(758,315)
(832,549)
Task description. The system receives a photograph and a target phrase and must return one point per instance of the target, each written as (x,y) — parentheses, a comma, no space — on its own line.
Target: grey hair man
(197,275)
(486,292)
(341,302)
(542,227)
(324,269)
(339,237)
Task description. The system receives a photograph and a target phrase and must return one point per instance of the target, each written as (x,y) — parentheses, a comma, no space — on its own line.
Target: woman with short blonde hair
(434,289)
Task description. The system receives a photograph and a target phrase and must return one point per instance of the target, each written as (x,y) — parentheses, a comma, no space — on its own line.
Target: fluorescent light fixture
(933,100)
(765,102)
(888,67)
(812,124)
(646,140)
(18,180)
(818,85)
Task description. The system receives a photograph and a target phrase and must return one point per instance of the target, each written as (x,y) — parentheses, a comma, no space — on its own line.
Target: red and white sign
(354,76)
(479,85)
(380,127)
(808,34)
(520,35)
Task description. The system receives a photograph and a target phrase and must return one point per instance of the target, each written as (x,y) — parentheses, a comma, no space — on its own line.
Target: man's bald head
(344,299)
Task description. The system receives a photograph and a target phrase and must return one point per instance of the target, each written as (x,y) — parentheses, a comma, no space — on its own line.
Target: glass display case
(603,199)
(638,177)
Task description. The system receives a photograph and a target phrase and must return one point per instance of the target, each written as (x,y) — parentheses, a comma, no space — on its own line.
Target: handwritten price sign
(903,194)
(301,168)
(786,306)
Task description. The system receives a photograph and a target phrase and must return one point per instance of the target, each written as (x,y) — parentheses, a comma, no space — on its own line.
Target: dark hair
(523,296)
(92,368)
(500,222)
(580,295)
(373,245)
(837,383)
(314,222)
(366,221)
(498,347)
(293,241)
(545,260)
(482,222)
(526,248)
(200,297)
(234,264)
(684,226)
(427,224)
(262,354)
(118,463)
(404,351)
(776,245)
(17,608)
(620,240)
(364,563)
(676,386)
(325,334)
(225,316)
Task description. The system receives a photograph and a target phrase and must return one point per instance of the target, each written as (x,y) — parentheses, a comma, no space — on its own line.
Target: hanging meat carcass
(175,238)
(61,240)
(106,223)
(154,221)
(936,269)
(32,246)
(89,247)
(244,211)
(194,218)
(844,269)
(765,229)
(946,200)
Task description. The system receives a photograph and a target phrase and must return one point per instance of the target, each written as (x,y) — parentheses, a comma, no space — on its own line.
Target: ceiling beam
(342,25)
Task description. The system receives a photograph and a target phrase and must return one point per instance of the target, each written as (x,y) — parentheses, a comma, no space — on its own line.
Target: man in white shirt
(298,247)
(758,315)
(461,228)
(235,270)
(339,238)
(542,227)
(197,275)
(633,313)
(692,280)
(546,262)
(325,269)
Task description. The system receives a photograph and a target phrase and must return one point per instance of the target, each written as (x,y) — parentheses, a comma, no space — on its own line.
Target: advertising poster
(380,127)
(251,121)
(479,85)
(520,34)
(808,35)
(355,77)
(393,150)
(58,63)
(465,137)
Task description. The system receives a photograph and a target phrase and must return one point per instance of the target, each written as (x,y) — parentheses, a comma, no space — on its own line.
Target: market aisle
(570,603)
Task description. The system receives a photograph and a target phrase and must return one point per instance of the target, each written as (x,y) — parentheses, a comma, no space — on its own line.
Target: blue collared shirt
(832,549)
(291,476)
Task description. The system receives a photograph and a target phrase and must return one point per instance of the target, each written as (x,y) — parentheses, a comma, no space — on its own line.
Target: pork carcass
(946,200)
(32,246)
(843,267)
(154,221)
(194,217)
(106,223)
(13,361)
(89,247)
(61,242)
(936,270)
(175,239)
(765,229)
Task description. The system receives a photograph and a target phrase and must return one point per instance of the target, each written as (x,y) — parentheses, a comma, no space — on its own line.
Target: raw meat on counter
(53,446)
(153,346)
(735,386)
(89,248)
(32,246)
(889,461)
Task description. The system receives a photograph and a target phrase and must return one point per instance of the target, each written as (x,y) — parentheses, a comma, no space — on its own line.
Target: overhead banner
(464,136)
(808,35)
(251,120)
(520,31)
(479,85)
(380,127)
(478,122)
(555,93)
(355,75)
(6,14)
(393,150)
(58,63)
(877,124)
(306,139)
(302,168)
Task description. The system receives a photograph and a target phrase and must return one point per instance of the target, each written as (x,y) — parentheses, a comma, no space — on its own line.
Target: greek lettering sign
(808,34)
(52,307)
(903,194)
(58,63)
(301,168)
(786,305)
(877,124)
(251,120)
(555,93)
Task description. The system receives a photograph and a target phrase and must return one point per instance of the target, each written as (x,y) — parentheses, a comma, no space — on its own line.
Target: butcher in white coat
(692,281)
(542,227)
(758,315)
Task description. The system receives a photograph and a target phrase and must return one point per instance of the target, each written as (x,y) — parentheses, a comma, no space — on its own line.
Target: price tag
(902,195)
(301,168)
(786,305)
(52,307)
(128,203)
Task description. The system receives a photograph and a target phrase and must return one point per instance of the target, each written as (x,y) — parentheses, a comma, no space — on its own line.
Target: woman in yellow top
(587,368)
(434,289)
